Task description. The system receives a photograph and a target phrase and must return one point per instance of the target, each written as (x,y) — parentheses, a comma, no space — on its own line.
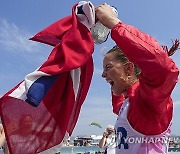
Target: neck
(128,88)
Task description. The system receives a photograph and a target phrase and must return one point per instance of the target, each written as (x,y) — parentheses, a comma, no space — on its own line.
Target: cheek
(117,74)
(110,73)
(113,75)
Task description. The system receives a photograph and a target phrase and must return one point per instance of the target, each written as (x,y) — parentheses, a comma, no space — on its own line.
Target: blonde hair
(110,127)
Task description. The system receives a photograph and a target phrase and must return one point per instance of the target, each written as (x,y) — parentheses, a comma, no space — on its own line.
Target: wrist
(113,22)
(104,136)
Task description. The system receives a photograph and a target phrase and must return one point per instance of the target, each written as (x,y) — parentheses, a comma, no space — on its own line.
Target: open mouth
(111,82)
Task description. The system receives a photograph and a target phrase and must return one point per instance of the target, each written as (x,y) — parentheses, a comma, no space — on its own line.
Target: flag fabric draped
(42,110)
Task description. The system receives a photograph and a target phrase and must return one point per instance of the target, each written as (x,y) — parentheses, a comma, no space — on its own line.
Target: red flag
(58,89)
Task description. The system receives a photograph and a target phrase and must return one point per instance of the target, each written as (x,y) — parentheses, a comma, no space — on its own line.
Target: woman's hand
(105,134)
(2,135)
(106,16)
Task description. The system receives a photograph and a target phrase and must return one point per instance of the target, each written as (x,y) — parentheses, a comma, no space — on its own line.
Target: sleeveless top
(129,141)
(110,145)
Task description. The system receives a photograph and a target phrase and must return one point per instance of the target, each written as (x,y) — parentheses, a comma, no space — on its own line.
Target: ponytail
(173,49)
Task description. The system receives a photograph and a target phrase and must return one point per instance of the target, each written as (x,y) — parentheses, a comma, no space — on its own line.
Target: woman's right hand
(105,134)
(106,15)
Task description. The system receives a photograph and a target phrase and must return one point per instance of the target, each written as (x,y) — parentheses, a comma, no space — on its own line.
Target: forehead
(109,59)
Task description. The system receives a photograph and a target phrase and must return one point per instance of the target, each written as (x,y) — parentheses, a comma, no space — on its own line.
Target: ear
(129,68)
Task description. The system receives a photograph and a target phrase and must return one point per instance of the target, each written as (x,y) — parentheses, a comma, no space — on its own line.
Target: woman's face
(114,74)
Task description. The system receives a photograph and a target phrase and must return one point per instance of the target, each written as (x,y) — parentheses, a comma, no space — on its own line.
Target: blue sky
(22,19)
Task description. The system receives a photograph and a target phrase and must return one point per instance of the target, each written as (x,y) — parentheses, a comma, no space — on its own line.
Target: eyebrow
(107,65)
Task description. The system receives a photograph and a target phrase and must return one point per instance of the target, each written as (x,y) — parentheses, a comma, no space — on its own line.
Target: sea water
(95,150)
(81,149)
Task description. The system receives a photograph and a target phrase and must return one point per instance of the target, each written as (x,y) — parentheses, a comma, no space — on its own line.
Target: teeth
(110,82)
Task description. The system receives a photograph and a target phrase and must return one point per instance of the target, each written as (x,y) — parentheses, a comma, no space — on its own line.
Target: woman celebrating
(141,100)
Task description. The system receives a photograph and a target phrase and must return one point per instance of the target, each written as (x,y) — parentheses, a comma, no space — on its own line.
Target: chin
(115,93)
(117,90)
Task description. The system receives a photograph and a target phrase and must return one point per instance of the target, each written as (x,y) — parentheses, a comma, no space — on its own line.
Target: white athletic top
(129,141)
(110,145)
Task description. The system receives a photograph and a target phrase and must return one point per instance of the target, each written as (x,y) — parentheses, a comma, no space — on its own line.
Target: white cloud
(16,39)
(97,101)
(96,109)
(177,103)
(98,71)
(103,50)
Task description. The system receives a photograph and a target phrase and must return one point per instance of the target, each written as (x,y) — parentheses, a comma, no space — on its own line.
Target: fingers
(101,9)
(1,129)
(101,6)
(106,15)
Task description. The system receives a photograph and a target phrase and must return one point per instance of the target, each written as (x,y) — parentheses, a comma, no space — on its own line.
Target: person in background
(142,101)
(2,139)
(108,140)
(3,144)
(22,136)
